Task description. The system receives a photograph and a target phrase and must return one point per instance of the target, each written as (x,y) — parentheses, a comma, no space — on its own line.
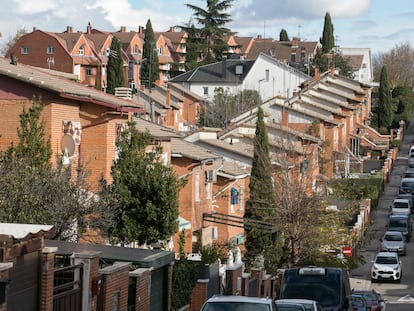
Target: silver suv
(393,241)
(238,303)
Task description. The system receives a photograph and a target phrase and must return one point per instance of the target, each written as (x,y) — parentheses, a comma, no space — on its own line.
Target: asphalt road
(399,296)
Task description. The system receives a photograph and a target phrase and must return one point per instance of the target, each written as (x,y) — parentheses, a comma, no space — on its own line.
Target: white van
(401,206)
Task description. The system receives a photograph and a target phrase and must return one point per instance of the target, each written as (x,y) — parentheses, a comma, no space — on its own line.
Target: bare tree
(399,62)
(12,41)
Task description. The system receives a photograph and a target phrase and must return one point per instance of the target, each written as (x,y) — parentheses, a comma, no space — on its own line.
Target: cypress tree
(385,112)
(149,67)
(328,39)
(283,35)
(261,203)
(115,74)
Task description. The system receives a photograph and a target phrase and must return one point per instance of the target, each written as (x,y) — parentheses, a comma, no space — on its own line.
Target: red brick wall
(199,295)
(142,298)
(116,282)
(47,278)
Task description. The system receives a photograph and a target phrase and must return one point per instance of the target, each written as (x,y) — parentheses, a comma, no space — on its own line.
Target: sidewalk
(360,277)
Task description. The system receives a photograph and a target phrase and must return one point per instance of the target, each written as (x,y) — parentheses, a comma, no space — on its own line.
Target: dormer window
(82,50)
(24,50)
(50,50)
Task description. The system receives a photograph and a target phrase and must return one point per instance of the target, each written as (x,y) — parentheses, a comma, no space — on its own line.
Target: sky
(376,24)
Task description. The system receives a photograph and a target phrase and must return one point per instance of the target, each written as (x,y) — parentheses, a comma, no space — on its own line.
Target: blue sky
(376,24)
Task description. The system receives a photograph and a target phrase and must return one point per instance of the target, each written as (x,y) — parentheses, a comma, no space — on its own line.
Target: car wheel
(373,280)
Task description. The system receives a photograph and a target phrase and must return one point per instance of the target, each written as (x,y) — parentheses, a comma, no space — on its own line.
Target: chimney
(123,29)
(259,36)
(172,29)
(141,29)
(224,67)
(295,42)
(34,29)
(89,28)
(69,29)
(317,73)
(332,71)
(168,97)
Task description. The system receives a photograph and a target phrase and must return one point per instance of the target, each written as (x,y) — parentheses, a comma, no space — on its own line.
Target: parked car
(310,305)
(238,303)
(381,300)
(386,266)
(402,223)
(407,196)
(371,298)
(401,206)
(393,241)
(409,173)
(407,185)
(289,306)
(358,303)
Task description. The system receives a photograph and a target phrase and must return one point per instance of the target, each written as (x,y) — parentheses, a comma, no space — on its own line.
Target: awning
(183,223)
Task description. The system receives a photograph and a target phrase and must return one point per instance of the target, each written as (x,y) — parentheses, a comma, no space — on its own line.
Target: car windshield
(400,204)
(235,306)
(407,184)
(397,223)
(393,237)
(289,307)
(387,260)
(323,289)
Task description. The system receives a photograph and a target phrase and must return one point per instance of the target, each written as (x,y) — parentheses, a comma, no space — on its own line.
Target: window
(82,50)
(88,71)
(160,50)
(25,50)
(293,57)
(267,74)
(135,50)
(50,50)
(205,89)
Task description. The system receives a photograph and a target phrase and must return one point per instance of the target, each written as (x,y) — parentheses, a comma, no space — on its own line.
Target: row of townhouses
(326,116)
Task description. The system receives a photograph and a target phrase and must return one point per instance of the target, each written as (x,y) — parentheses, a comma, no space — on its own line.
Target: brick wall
(47,278)
(143,283)
(115,288)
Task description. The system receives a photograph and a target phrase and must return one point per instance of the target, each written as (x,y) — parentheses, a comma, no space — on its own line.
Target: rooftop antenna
(299,26)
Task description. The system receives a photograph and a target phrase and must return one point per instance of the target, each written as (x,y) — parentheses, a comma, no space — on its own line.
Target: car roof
(409,179)
(399,216)
(393,232)
(387,254)
(297,300)
(233,298)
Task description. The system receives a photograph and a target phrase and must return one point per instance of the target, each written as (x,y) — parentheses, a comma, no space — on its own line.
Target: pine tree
(149,67)
(32,143)
(328,39)
(146,190)
(261,203)
(213,31)
(31,190)
(283,35)
(385,112)
(115,73)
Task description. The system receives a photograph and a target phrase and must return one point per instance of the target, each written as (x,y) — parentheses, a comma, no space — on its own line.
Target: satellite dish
(67,145)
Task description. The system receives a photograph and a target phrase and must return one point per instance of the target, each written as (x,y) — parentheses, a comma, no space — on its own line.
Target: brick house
(81,119)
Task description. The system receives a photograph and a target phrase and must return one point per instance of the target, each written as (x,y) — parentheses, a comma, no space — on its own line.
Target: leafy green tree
(403,100)
(146,191)
(385,111)
(31,190)
(261,203)
(333,59)
(283,35)
(328,39)
(212,31)
(150,67)
(115,74)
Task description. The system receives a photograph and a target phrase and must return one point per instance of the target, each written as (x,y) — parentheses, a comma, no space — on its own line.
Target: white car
(393,241)
(239,303)
(310,305)
(386,266)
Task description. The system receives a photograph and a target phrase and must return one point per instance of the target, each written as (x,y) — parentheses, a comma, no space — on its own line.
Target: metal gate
(159,289)
(23,291)
(67,290)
